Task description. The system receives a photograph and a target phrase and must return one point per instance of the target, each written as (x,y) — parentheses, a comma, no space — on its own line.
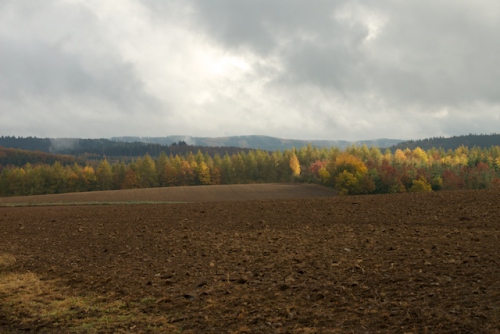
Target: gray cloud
(425,52)
(44,70)
(317,69)
(61,77)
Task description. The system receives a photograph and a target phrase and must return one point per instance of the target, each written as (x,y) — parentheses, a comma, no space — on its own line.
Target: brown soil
(408,263)
(236,192)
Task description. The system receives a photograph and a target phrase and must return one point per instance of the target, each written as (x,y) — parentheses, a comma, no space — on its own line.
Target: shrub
(420,185)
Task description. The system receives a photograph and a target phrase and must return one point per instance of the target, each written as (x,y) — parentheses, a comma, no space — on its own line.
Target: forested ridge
(451,143)
(355,170)
(124,148)
(257,142)
(97,149)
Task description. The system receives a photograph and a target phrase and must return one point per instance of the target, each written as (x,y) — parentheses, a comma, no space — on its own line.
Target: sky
(316,69)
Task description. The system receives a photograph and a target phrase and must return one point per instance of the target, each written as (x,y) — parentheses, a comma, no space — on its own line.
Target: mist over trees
(355,170)
(97,149)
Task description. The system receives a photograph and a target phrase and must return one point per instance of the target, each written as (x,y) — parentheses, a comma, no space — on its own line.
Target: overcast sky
(311,69)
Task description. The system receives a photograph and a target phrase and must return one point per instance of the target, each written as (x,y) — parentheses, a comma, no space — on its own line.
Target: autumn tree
(131,180)
(388,180)
(90,178)
(119,171)
(170,175)
(147,172)
(75,179)
(160,165)
(346,174)
(56,179)
(226,170)
(104,175)
(420,185)
(186,174)
(238,170)
(202,173)
(294,165)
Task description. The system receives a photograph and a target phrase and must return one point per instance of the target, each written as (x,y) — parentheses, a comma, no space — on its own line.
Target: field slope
(238,192)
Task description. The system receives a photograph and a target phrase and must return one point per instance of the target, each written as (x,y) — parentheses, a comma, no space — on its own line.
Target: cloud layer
(307,70)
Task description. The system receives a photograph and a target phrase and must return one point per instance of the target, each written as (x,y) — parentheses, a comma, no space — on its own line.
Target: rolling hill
(451,143)
(256,142)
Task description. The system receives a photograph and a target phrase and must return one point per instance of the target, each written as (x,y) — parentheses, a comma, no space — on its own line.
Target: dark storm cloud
(261,25)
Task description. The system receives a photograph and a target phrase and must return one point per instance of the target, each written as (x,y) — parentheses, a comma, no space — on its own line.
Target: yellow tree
(346,183)
(399,157)
(202,173)
(324,175)
(90,177)
(420,156)
(420,185)
(294,165)
(348,174)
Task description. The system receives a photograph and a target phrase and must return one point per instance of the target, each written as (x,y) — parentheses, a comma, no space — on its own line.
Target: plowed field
(407,263)
(236,192)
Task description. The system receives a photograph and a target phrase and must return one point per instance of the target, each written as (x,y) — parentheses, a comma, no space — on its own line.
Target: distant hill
(123,147)
(257,142)
(95,149)
(470,140)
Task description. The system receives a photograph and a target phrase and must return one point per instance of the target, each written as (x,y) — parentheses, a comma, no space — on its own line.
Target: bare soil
(235,192)
(406,263)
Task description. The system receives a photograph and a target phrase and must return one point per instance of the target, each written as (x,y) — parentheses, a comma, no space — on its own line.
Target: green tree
(55,179)
(104,176)
(238,168)
(147,172)
(160,164)
(346,183)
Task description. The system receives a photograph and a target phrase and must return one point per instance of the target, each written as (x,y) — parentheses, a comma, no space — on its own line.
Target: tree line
(355,170)
(97,149)
(17,157)
(451,143)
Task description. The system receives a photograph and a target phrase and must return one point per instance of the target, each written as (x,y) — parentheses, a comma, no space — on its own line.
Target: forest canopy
(355,170)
